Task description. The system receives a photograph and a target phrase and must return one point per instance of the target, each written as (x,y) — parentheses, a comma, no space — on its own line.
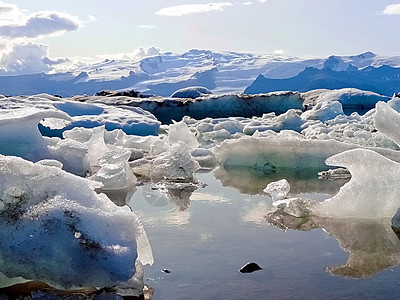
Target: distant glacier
(225,72)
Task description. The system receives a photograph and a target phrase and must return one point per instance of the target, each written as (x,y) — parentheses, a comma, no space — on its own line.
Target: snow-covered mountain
(165,73)
(382,80)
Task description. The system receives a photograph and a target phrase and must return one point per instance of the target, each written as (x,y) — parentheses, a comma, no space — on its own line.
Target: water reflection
(249,182)
(371,243)
(160,195)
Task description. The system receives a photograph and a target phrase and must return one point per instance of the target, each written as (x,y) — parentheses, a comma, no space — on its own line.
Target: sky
(36,34)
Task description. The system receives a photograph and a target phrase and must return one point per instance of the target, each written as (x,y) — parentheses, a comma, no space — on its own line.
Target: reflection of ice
(154,197)
(200,196)
(249,182)
(371,243)
(256,214)
(178,193)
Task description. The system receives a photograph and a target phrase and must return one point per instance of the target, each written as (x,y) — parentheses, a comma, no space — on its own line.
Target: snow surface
(162,74)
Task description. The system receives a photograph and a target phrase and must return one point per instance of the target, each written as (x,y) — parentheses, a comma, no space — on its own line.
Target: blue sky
(290,27)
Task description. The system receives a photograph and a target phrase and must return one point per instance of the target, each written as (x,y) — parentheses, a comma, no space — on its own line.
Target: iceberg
(132,120)
(285,150)
(365,195)
(177,164)
(20,124)
(57,229)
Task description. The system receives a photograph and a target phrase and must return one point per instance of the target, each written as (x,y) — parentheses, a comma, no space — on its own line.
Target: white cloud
(279,52)
(91,19)
(247,3)
(187,9)
(41,24)
(393,9)
(19,23)
(27,58)
(262,1)
(142,52)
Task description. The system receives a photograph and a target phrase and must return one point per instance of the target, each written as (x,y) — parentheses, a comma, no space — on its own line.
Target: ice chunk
(96,148)
(324,111)
(132,120)
(350,98)
(372,191)
(278,189)
(176,164)
(205,157)
(191,92)
(180,132)
(17,125)
(387,121)
(286,150)
(119,182)
(51,163)
(55,228)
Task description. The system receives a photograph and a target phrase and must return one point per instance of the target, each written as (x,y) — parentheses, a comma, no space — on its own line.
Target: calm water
(204,236)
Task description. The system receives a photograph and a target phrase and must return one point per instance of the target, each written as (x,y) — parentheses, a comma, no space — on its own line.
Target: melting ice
(58,221)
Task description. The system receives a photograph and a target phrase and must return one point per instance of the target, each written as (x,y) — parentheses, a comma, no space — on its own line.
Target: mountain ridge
(164,73)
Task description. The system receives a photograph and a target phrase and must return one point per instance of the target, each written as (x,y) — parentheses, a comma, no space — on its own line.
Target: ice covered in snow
(350,98)
(191,92)
(162,73)
(56,228)
(19,134)
(242,138)
(132,120)
(324,111)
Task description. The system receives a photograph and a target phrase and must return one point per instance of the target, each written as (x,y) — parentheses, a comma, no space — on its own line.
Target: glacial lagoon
(200,242)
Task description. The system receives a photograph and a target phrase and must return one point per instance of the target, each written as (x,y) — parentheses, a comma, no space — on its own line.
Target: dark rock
(110,93)
(250,268)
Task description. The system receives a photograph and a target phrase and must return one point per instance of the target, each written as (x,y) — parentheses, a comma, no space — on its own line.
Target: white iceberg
(372,191)
(55,228)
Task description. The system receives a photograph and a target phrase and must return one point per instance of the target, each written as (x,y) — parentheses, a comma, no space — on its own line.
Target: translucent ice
(180,132)
(387,121)
(55,228)
(175,164)
(278,189)
(324,111)
(286,150)
(17,125)
(372,191)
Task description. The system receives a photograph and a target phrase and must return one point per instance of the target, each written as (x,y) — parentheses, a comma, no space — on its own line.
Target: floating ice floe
(132,120)
(55,228)
(364,196)
(285,150)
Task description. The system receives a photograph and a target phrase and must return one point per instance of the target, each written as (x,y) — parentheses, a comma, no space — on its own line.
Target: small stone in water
(250,267)
(166,271)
